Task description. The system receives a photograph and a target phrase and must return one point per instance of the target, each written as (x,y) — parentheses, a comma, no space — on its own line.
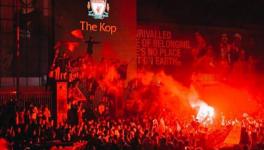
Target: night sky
(234,13)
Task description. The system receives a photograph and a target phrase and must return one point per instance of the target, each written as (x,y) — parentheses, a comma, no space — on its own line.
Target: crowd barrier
(43,98)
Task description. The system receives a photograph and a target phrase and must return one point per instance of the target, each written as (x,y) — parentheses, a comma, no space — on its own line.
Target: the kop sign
(99,10)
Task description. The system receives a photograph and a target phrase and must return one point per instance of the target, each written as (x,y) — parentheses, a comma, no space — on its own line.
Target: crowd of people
(35,128)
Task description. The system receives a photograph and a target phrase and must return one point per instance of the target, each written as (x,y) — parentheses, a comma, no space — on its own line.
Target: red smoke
(231,91)
(108,52)
(162,92)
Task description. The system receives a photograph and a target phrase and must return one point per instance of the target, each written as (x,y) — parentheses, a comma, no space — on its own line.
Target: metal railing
(38,99)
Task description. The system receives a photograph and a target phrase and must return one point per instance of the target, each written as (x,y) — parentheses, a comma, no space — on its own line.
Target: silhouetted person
(90,43)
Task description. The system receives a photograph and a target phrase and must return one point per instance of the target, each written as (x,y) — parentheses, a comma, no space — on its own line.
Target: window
(34,20)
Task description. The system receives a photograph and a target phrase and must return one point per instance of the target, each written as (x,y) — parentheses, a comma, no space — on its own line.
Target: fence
(37,99)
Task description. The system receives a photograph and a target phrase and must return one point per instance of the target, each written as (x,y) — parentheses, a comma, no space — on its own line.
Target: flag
(233,137)
(77,34)
(71,46)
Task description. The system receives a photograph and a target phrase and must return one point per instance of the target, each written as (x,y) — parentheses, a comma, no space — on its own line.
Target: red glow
(208,94)
(108,52)
(71,46)
(77,34)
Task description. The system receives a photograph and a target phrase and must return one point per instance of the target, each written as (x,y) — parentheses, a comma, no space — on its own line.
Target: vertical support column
(61,101)
(17,50)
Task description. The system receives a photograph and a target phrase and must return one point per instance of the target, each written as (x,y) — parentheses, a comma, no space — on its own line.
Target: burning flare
(205,113)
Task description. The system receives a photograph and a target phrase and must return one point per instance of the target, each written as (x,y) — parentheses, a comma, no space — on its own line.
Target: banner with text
(181,50)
